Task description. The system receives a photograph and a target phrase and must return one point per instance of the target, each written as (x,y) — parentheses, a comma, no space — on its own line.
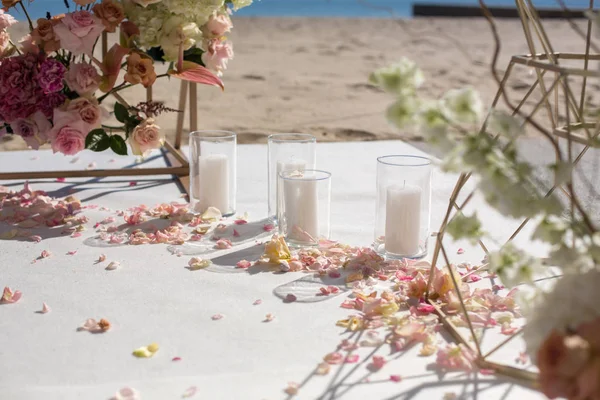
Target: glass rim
(291,138)
(218,134)
(324,175)
(384,160)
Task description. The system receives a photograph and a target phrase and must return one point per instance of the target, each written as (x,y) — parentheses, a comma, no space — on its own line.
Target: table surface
(154,298)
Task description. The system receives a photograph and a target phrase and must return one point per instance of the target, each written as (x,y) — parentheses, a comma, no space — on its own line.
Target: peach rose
(78,31)
(6,48)
(83,78)
(89,110)
(69,132)
(140,69)
(111,14)
(9,3)
(43,35)
(28,45)
(145,137)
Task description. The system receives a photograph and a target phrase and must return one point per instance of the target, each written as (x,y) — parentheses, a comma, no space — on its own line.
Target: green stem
(120,128)
(27,15)
(15,46)
(123,86)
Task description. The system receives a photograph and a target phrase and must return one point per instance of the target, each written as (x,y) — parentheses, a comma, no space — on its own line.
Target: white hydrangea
(513,265)
(176,31)
(401,78)
(575,299)
(462,105)
(237,4)
(403,111)
(502,123)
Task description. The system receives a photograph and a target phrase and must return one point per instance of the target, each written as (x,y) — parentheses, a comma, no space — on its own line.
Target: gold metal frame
(576,129)
(179,165)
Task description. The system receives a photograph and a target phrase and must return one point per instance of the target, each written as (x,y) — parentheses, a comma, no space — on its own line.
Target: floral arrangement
(52,86)
(562,328)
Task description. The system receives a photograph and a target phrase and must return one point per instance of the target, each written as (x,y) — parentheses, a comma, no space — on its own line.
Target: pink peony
(217,26)
(145,137)
(83,78)
(78,31)
(6,20)
(69,132)
(89,111)
(50,76)
(33,130)
(218,54)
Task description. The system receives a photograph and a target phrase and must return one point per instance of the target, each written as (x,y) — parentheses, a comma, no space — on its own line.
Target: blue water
(320,8)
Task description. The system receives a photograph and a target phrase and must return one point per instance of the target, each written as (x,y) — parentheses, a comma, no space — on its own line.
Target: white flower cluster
(513,265)
(573,300)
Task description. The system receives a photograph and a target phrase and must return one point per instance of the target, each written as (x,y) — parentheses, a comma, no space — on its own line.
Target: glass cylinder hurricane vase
(213,157)
(287,152)
(403,212)
(304,212)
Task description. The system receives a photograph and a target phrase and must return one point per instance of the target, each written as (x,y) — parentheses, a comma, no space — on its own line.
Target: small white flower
(502,123)
(401,78)
(403,111)
(513,265)
(462,105)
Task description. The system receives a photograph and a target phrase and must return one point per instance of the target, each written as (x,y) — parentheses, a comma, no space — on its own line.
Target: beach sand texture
(310,74)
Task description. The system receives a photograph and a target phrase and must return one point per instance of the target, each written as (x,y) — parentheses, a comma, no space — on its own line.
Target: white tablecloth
(154,298)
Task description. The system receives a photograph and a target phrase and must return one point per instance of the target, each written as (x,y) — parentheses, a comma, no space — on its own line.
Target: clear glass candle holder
(403,212)
(213,156)
(288,152)
(304,212)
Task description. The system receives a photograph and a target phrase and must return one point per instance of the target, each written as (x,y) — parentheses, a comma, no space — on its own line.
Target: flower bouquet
(563,316)
(52,86)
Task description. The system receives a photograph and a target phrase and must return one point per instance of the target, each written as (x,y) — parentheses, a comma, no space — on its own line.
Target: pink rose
(78,31)
(89,111)
(218,54)
(69,132)
(28,45)
(83,78)
(6,20)
(33,130)
(217,26)
(145,137)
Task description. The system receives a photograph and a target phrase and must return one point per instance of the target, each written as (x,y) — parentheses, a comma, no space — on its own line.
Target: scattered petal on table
(132,183)
(257,302)
(197,263)
(9,297)
(112,160)
(176,359)
(334,358)
(377,362)
(236,233)
(74,160)
(45,254)
(460,251)
(217,317)
(240,222)
(450,396)
(268,227)
(93,326)
(127,393)
(113,265)
(102,258)
(395,378)
(223,244)
(189,392)
(72,252)
(35,238)
(45,308)
(76,235)
(326,291)
(292,388)
(323,368)
(211,214)
(146,351)
(244,264)
(269,317)
(60,179)
(351,359)
(91,165)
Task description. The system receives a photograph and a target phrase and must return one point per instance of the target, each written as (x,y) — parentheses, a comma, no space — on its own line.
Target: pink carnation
(78,31)
(217,55)
(19,92)
(69,133)
(50,76)
(33,130)
(47,104)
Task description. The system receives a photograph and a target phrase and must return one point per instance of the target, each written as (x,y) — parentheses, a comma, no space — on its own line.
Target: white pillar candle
(301,209)
(213,183)
(285,166)
(403,220)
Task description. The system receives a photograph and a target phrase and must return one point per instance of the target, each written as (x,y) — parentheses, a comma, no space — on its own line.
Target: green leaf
(97,140)
(118,145)
(121,112)
(194,55)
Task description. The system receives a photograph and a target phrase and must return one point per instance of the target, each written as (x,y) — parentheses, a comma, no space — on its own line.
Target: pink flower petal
(60,179)
(292,388)
(45,308)
(460,251)
(217,317)
(126,393)
(290,298)
(189,392)
(269,317)
(240,222)
(236,233)
(132,183)
(72,252)
(395,378)
(268,227)
(334,274)
(45,254)
(257,302)
(334,358)
(176,359)
(351,359)
(10,297)
(102,258)
(76,235)
(244,264)
(223,244)
(35,238)
(378,362)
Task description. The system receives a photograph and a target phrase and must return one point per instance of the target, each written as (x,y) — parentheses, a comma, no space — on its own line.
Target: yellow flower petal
(146,351)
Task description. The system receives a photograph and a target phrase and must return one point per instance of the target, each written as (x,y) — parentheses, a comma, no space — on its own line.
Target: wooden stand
(178,164)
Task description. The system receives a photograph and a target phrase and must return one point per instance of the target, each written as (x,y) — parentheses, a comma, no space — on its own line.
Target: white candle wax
(213,183)
(285,166)
(403,220)
(301,209)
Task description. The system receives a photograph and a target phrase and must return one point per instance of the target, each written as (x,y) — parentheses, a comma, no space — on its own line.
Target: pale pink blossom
(377,362)
(34,130)
(351,359)
(217,26)
(223,244)
(45,308)
(78,31)
(126,393)
(9,297)
(217,317)
(145,138)
(396,378)
(6,20)
(217,55)
(456,357)
(69,132)
(334,358)
(244,264)
(257,302)
(269,317)
(83,78)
